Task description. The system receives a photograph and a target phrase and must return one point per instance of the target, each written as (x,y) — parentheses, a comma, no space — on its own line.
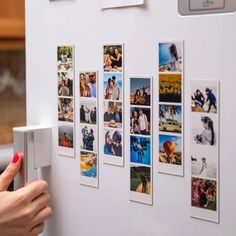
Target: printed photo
(65,136)
(170,118)
(88,137)
(204,193)
(170,149)
(171,57)
(88,164)
(112,86)
(204,96)
(204,130)
(140,150)
(170,88)
(65,58)
(65,84)
(140,179)
(112,114)
(65,109)
(88,112)
(140,120)
(204,162)
(113,58)
(88,84)
(140,91)
(113,143)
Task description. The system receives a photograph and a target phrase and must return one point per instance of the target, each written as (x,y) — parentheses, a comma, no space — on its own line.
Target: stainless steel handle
(36,144)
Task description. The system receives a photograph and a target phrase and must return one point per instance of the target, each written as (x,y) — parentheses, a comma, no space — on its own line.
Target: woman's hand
(22,212)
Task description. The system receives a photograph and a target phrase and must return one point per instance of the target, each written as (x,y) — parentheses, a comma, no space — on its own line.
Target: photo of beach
(170,57)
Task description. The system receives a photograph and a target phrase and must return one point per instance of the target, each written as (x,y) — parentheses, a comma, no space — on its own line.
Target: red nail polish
(15,158)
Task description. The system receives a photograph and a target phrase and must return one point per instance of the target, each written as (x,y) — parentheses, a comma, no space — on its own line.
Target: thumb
(10,172)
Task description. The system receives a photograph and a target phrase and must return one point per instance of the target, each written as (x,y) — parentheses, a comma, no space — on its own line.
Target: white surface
(120,3)
(209,54)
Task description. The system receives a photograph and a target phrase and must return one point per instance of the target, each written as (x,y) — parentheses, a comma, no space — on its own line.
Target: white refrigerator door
(210,53)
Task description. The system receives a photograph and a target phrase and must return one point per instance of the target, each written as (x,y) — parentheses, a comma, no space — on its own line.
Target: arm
(23,211)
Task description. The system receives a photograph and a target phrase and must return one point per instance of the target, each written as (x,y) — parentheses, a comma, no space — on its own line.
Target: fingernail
(15,158)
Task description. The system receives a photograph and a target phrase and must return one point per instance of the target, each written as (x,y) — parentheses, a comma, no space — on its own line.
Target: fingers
(40,202)
(37,230)
(41,216)
(33,189)
(10,172)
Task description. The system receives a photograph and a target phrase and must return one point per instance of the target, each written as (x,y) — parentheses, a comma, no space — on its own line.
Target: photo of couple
(113,86)
(140,91)
(112,58)
(140,121)
(88,112)
(204,99)
(113,143)
(88,137)
(113,114)
(88,84)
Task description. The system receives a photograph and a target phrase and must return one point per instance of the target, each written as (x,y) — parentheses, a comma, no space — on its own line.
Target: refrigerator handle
(36,144)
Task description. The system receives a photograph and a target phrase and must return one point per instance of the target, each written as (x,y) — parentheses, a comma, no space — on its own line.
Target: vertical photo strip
(141,186)
(87,128)
(204,149)
(113,104)
(65,100)
(171,94)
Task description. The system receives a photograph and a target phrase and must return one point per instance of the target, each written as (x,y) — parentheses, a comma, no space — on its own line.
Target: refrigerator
(207,30)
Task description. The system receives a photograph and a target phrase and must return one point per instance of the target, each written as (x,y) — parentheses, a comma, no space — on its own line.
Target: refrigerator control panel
(206,5)
(197,7)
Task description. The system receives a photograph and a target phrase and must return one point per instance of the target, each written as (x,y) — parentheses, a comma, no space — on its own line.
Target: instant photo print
(171,57)
(113,104)
(87,129)
(141,184)
(113,146)
(140,91)
(170,118)
(141,139)
(66,139)
(65,100)
(88,169)
(113,86)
